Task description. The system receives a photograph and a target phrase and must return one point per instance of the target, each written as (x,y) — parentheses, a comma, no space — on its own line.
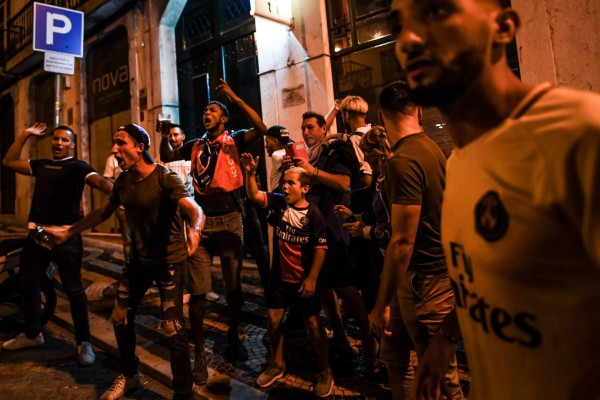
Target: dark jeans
(67,257)
(170,281)
(222,235)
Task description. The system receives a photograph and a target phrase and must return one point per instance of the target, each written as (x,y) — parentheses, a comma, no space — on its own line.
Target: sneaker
(23,342)
(378,377)
(212,296)
(324,383)
(200,371)
(269,376)
(86,354)
(366,364)
(121,386)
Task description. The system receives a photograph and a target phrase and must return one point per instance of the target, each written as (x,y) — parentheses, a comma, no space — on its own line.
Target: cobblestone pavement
(103,263)
(52,372)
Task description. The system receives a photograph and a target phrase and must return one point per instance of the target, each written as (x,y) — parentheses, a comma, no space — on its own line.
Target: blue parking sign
(57,29)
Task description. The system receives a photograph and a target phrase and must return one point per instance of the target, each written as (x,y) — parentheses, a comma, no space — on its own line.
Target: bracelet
(448,336)
(316,172)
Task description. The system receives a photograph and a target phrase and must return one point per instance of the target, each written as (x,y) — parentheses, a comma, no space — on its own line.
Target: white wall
(559,42)
(288,57)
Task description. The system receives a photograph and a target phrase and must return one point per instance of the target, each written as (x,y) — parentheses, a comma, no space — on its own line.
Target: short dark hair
(171,126)
(221,105)
(311,114)
(395,97)
(68,129)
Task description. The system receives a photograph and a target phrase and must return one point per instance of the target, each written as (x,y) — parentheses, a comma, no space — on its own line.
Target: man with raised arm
(217,176)
(56,201)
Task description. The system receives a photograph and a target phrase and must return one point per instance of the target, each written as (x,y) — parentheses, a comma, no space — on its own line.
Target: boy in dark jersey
(59,184)
(300,244)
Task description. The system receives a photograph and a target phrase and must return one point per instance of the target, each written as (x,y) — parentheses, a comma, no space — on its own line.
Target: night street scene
(299,199)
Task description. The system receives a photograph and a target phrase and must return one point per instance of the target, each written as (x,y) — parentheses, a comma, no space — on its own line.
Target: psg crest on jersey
(491,218)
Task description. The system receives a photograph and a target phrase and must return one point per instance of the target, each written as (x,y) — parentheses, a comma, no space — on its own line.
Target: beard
(452,82)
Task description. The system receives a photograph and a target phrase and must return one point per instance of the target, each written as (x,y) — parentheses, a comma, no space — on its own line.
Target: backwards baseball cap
(140,135)
(280,133)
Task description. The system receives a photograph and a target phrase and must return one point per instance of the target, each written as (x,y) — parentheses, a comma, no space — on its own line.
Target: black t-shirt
(217,203)
(337,158)
(151,206)
(58,189)
(298,232)
(415,175)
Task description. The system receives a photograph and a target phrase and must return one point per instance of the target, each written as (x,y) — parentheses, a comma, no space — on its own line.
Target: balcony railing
(19,27)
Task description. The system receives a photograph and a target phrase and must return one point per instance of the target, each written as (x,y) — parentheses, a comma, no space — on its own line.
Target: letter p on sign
(52,28)
(57,29)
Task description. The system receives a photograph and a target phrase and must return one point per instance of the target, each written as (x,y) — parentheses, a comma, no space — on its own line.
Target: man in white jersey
(521,212)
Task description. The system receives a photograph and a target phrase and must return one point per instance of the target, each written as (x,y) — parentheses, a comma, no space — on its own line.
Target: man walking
(521,217)
(414,282)
(154,198)
(56,201)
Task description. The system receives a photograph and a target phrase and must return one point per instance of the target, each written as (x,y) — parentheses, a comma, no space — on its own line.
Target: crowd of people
(498,246)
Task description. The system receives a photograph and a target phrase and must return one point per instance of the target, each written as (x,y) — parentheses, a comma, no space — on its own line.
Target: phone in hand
(297,149)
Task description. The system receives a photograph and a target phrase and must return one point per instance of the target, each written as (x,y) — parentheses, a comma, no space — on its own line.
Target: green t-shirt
(151,207)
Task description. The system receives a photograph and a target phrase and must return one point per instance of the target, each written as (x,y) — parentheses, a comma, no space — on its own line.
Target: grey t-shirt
(151,206)
(415,175)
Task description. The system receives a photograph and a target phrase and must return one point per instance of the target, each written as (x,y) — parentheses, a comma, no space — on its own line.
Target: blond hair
(354,104)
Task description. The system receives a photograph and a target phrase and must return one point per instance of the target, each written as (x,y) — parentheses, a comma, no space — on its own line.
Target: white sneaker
(212,296)
(23,342)
(86,354)
(121,386)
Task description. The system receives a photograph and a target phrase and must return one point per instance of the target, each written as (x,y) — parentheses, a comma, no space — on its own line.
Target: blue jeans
(33,264)
(222,236)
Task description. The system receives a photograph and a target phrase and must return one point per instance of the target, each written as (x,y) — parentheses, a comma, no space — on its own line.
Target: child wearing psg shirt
(300,244)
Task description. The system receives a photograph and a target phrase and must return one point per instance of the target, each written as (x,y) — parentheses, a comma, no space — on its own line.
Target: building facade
(284,57)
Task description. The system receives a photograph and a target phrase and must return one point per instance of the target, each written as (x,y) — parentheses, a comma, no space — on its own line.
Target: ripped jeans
(169,278)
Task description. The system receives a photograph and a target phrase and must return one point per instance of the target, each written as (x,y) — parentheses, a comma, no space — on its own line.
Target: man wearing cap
(56,201)
(276,140)
(217,176)
(155,201)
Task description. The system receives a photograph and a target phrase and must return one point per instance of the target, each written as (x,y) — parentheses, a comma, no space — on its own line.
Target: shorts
(222,236)
(285,294)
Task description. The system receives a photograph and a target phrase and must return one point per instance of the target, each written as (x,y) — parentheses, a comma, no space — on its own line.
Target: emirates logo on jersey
(491,217)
